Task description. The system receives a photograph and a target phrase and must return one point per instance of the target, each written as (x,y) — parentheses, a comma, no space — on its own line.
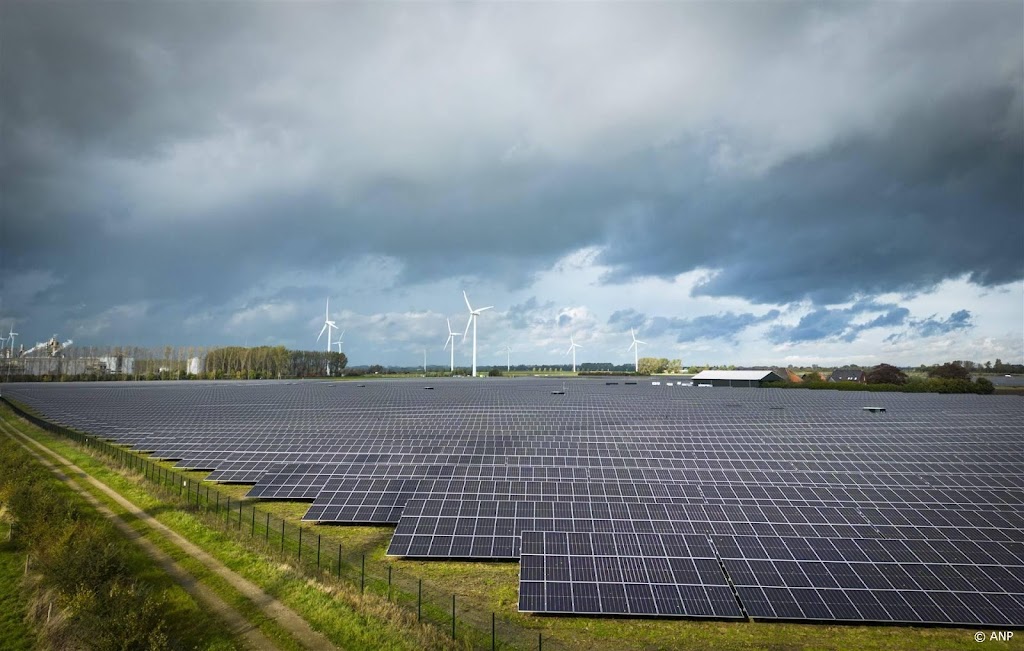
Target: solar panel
(465,469)
(623,574)
(877,580)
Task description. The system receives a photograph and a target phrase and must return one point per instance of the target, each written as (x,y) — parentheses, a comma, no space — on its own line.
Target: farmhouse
(847,375)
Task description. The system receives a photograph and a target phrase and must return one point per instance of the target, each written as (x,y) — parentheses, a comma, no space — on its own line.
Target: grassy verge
(15,633)
(483,588)
(57,547)
(350,620)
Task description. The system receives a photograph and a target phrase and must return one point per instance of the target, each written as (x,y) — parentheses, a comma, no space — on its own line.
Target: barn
(736,378)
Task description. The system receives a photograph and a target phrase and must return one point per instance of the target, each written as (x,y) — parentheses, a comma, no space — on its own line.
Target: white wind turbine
(328,324)
(339,342)
(451,340)
(11,335)
(636,350)
(508,358)
(572,349)
(473,314)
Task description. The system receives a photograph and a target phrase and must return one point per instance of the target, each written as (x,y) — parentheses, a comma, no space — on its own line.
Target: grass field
(15,633)
(482,588)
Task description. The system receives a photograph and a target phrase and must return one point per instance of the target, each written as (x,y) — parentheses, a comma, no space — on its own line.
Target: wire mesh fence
(469,624)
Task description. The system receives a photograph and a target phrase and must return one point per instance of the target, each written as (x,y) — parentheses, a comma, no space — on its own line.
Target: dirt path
(286,617)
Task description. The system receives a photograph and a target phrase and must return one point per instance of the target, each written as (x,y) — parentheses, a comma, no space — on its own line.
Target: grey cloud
(930,327)
(725,325)
(407,116)
(529,313)
(627,318)
(838,323)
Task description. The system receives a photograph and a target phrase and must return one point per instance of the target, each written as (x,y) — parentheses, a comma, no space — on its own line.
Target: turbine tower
(636,350)
(451,340)
(572,349)
(473,314)
(508,358)
(328,324)
(11,335)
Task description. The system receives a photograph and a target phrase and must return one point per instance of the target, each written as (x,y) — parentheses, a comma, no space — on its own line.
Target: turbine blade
(449,326)
(321,332)
(641,342)
(467,300)
(489,307)
(467,325)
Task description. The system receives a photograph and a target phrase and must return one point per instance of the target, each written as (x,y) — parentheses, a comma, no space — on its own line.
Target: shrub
(984,386)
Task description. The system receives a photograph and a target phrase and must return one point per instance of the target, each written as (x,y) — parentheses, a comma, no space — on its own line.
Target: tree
(950,371)
(651,365)
(811,377)
(886,374)
(494,372)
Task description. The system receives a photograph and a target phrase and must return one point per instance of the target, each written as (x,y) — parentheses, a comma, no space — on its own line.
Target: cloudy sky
(739,182)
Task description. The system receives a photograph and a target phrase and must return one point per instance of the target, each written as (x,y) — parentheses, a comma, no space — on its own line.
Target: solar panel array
(628,499)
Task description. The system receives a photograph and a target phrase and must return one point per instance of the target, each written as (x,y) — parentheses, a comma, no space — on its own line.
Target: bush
(949,371)
(494,372)
(984,386)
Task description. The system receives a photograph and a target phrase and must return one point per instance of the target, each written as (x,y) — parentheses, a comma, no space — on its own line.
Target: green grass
(15,633)
(493,587)
(345,618)
(189,625)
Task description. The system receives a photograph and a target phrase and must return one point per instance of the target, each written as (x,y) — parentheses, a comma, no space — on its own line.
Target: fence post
(318,552)
(389,581)
(419,601)
(218,502)
(239,515)
(252,532)
(494,637)
(300,545)
(266,531)
(453,615)
(227,511)
(282,535)
(540,641)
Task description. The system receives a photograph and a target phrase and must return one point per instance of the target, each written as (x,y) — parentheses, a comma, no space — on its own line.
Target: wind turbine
(11,335)
(473,314)
(572,349)
(636,350)
(328,324)
(508,358)
(451,340)
(339,342)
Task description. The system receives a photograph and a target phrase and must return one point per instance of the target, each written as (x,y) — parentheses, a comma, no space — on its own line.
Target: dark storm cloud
(171,156)
(937,195)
